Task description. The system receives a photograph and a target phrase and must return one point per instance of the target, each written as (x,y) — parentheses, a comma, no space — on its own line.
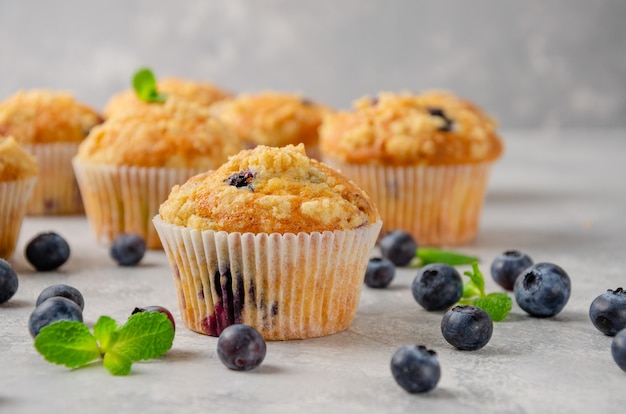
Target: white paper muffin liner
(56,191)
(438,205)
(287,286)
(14,196)
(123,199)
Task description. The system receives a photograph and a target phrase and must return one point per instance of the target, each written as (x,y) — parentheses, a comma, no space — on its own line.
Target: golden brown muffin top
(272,118)
(15,163)
(202,93)
(432,128)
(270,190)
(41,116)
(174,134)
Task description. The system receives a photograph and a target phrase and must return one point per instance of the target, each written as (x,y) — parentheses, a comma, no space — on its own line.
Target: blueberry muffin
(50,125)
(18,174)
(424,159)
(274,119)
(127,166)
(202,93)
(271,239)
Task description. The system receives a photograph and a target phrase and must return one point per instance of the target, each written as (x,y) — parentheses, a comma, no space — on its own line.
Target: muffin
(202,93)
(274,119)
(272,239)
(49,125)
(127,166)
(18,174)
(424,159)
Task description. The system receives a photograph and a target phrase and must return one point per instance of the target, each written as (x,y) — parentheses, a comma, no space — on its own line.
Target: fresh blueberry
(542,290)
(156,309)
(52,310)
(506,267)
(467,327)
(47,251)
(399,247)
(66,291)
(8,281)
(379,273)
(415,368)
(128,249)
(241,347)
(437,286)
(608,311)
(618,349)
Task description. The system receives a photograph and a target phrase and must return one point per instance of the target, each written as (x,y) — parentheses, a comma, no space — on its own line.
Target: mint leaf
(104,331)
(145,335)
(67,343)
(477,278)
(470,290)
(497,305)
(145,86)
(117,363)
(431,255)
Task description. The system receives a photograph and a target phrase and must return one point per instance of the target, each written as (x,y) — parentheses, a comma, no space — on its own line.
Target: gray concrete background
(532,64)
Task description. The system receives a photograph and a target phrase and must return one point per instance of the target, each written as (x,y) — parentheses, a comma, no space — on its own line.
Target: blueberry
(128,249)
(65,291)
(241,347)
(438,112)
(618,349)
(415,368)
(399,247)
(608,311)
(437,286)
(467,327)
(242,179)
(52,310)
(8,281)
(507,266)
(542,290)
(157,309)
(47,251)
(379,273)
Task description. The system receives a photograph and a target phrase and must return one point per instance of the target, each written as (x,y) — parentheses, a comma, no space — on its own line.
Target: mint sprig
(145,335)
(426,256)
(497,305)
(145,86)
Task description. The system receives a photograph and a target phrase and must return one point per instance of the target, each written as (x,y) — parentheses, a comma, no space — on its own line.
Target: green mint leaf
(117,363)
(145,335)
(145,86)
(470,290)
(477,277)
(497,305)
(431,255)
(104,331)
(67,343)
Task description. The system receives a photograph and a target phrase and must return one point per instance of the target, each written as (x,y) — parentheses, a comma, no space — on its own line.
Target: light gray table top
(559,196)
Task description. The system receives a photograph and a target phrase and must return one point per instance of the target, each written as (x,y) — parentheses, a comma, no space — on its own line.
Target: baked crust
(15,162)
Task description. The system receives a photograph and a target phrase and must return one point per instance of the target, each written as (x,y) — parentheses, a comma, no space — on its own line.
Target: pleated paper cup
(438,205)
(14,196)
(287,286)
(56,191)
(123,199)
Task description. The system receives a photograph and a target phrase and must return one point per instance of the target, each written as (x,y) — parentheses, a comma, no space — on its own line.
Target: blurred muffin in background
(50,125)
(18,174)
(274,119)
(127,166)
(423,158)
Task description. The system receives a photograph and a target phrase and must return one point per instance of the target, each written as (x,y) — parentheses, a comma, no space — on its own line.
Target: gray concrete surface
(558,196)
(532,64)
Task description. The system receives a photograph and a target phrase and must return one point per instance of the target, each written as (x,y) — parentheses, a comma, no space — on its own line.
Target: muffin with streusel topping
(201,92)
(18,174)
(274,119)
(127,166)
(50,125)
(271,239)
(423,158)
